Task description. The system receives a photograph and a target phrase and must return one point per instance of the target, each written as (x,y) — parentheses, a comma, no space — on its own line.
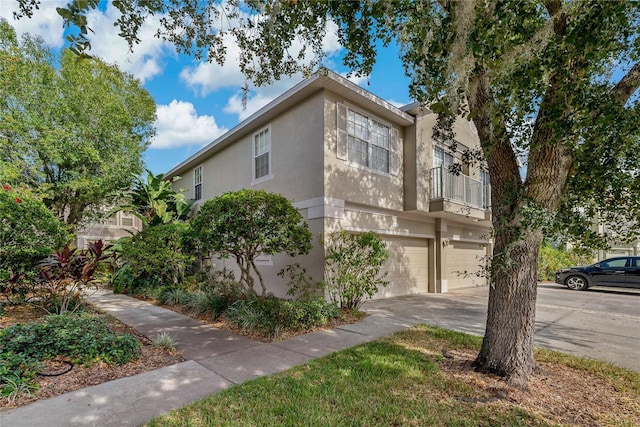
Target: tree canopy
(245,224)
(72,130)
(551,83)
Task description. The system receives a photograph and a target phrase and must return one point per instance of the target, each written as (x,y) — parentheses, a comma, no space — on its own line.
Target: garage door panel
(464,265)
(407,267)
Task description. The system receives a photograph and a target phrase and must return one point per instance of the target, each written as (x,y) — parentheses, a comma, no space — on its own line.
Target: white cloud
(45,21)
(206,77)
(178,124)
(359,80)
(145,61)
(254,103)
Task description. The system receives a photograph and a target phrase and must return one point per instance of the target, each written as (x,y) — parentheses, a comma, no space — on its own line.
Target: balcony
(458,194)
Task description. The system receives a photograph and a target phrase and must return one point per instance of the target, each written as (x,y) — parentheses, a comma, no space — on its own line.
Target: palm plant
(154,201)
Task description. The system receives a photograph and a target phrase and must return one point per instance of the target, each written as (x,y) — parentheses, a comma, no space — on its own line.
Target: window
(261,154)
(614,263)
(368,142)
(441,158)
(197,183)
(486,189)
(126,220)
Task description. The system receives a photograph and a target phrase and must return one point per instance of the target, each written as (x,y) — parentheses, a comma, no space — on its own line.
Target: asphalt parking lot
(600,323)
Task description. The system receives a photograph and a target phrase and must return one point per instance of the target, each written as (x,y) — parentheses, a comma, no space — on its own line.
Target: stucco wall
(346,181)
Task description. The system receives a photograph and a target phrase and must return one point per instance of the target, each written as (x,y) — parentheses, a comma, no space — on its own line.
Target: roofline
(322,76)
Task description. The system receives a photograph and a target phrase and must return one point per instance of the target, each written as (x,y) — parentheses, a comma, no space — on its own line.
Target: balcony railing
(460,188)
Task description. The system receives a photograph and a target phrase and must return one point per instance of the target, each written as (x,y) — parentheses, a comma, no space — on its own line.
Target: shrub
(221,282)
(273,315)
(552,259)
(246,223)
(352,267)
(28,233)
(154,257)
(174,296)
(65,276)
(301,286)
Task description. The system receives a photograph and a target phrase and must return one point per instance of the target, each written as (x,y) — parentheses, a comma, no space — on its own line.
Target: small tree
(247,223)
(352,267)
(28,233)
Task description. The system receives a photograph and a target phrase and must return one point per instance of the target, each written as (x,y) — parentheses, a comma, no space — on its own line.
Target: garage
(464,262)
(407,267)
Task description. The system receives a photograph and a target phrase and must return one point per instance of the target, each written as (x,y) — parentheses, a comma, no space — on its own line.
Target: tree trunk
(507,347)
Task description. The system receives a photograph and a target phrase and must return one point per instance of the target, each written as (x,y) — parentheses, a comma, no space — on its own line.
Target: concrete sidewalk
(216,360)
(603,325)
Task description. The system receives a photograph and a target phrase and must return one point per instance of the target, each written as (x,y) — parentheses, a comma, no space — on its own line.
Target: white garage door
(407,267)
(464,263)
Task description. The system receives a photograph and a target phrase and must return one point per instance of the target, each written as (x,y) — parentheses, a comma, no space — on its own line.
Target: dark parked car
(618,271)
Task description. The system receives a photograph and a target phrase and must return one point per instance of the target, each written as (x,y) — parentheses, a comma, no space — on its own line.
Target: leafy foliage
(301,286)
(553,259)
(154,257)
(83,338)
(247,223)
(65,277)
(28,233)
(551,84)
(274,316)
(74,131)
(352,267)
(154,202)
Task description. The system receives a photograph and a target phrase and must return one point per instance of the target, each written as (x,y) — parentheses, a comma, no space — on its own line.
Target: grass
(413,378)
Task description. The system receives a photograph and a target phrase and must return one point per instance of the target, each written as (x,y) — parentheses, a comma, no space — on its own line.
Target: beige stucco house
(349,159)
(120,224)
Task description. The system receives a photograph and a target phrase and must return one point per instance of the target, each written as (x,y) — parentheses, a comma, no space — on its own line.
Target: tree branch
(553,6)
(622,91)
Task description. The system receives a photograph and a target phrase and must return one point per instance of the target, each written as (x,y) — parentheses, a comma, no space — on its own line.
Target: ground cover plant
(423,376)
(85,348)
(224,303)
(80,338)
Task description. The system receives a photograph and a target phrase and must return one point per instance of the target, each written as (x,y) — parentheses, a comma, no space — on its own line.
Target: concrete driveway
(601,323)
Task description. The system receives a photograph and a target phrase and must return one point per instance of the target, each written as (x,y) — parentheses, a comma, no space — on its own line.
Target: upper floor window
(442,158)
(486,189)
(262,154)
(197,183)
(368,142)
(127,220)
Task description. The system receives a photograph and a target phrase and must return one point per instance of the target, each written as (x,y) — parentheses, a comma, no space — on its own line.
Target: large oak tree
(551,83)
(72,130)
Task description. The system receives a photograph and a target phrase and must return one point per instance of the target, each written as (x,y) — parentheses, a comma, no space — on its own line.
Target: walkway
(601,324)
(216,360)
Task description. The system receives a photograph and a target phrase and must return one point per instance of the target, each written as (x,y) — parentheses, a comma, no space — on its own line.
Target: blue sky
(196,102)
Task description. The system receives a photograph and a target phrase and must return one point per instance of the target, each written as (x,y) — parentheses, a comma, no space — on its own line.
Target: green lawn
(418,377)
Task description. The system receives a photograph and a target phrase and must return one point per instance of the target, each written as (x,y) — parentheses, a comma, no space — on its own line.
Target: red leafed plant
(65,275)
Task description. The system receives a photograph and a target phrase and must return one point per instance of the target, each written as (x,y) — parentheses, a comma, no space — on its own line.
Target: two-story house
(349,159)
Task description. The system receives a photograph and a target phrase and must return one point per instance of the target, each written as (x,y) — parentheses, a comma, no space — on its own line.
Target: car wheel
(576,283)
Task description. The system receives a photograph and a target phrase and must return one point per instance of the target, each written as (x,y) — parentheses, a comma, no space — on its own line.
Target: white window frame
(369,131)
(269,150)
(198,173)
(126,216)
(446,154)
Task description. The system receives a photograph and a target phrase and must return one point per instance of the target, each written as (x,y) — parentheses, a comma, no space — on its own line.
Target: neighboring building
(618,247)
(118,225)
(348,159)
